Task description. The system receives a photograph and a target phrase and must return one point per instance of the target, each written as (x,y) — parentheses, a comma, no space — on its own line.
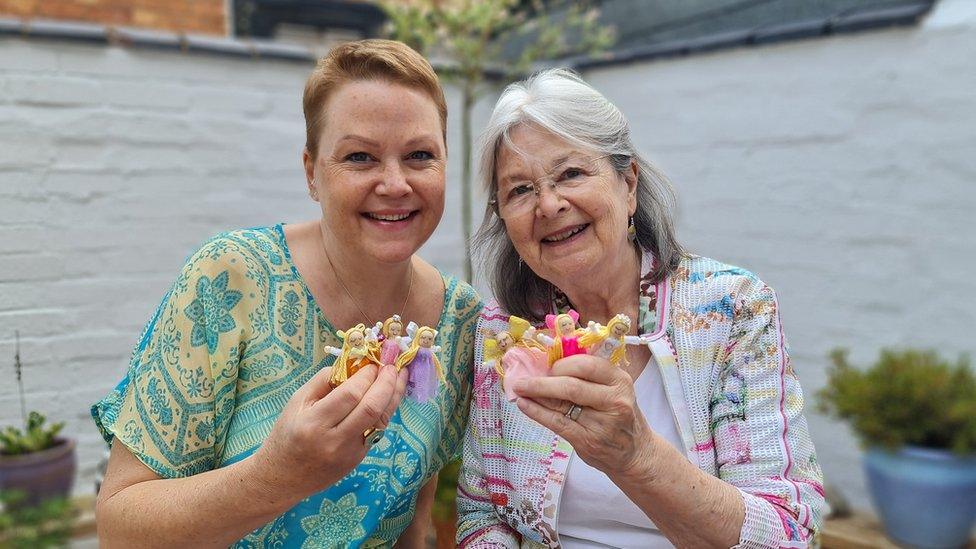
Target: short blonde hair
(372,59)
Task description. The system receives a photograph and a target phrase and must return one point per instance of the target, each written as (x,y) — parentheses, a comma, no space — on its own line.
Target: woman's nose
(548,201)
(393,181)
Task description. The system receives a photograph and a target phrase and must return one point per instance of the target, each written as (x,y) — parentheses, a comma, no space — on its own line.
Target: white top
(593,512)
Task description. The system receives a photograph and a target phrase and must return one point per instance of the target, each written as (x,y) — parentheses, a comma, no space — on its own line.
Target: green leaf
(37,437)
(46,525)
(907,397)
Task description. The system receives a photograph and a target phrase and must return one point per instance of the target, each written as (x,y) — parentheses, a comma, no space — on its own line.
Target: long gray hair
(559,101)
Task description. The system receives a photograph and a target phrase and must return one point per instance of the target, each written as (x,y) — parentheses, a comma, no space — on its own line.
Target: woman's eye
(421,155)
(571,173)
(519,190)
(358,157)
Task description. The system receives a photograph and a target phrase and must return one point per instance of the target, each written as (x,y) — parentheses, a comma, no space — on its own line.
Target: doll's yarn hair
(407,356)
(344,335)
(590,339)
(395,319)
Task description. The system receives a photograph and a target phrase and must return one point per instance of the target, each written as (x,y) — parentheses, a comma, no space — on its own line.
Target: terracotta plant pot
(40,475)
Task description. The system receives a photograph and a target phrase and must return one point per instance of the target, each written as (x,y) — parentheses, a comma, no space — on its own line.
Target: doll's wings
(333,350)
(412,329)
(517,326)
(542,338)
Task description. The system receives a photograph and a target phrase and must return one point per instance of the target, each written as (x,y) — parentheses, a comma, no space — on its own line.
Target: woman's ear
(631,176)
(309,163)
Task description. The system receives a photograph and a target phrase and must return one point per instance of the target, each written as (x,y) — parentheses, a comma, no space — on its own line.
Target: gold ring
(372,436)
(574,412)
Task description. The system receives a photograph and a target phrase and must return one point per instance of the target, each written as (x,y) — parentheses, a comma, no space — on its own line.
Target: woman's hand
(318,437)
(610,433)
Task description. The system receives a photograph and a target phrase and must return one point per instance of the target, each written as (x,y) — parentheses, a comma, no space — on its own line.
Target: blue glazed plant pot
(926,497)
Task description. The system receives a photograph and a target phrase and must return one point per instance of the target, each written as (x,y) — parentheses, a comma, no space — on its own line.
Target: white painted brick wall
(841,170)
(114,165)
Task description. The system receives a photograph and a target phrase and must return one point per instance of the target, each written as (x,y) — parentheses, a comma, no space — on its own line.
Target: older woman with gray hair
(698,438)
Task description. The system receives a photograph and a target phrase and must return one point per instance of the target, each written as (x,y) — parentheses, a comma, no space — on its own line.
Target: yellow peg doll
(610,341)
(357,351)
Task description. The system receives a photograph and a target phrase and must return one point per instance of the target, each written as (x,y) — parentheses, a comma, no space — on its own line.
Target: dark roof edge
(148,39)
(844,22)
(131,37)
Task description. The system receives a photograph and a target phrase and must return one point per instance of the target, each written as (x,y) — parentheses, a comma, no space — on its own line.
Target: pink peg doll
(514,357)
(566,336)
(392,331)
(425,370)
(610,341)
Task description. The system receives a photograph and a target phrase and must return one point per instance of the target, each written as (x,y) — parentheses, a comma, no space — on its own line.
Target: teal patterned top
(236,335)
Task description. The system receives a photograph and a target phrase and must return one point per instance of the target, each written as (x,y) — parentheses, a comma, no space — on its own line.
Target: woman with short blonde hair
(227,430)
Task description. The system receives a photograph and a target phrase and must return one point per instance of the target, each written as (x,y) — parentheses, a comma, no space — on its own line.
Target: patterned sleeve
(466,306)
(479,526)
(761,437)
(173,407)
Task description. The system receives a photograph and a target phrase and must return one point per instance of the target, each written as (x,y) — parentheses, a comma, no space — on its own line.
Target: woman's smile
(391,220)
(565,236)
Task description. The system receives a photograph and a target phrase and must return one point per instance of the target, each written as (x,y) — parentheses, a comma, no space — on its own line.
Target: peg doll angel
(393,339)
(566,336)
(420,358)
(359,348)
(514,357)
(610,341)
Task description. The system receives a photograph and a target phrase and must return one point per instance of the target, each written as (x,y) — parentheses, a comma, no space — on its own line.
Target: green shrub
(47,525)
(907,397)
(35,438)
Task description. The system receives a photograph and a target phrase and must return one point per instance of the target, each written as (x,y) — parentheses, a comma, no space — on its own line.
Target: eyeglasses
(568,179)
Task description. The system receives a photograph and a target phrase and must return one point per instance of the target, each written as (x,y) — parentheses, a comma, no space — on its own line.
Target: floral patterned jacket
(736,401)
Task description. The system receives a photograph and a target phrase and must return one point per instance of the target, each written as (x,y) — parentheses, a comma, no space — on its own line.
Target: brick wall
(841,170)
(190,16)
(114,165)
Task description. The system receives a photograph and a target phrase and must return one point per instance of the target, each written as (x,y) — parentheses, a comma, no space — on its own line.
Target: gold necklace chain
(369,323)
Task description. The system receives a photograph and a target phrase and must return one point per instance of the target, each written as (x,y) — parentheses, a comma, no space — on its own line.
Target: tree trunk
(466,108)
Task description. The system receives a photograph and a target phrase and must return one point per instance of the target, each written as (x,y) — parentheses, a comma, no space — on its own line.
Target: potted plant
(35,461)
(916,415)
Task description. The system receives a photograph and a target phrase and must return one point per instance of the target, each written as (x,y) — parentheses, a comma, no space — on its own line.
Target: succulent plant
(34,438)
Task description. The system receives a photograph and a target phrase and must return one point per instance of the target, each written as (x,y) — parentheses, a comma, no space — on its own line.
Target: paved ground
(85,543)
